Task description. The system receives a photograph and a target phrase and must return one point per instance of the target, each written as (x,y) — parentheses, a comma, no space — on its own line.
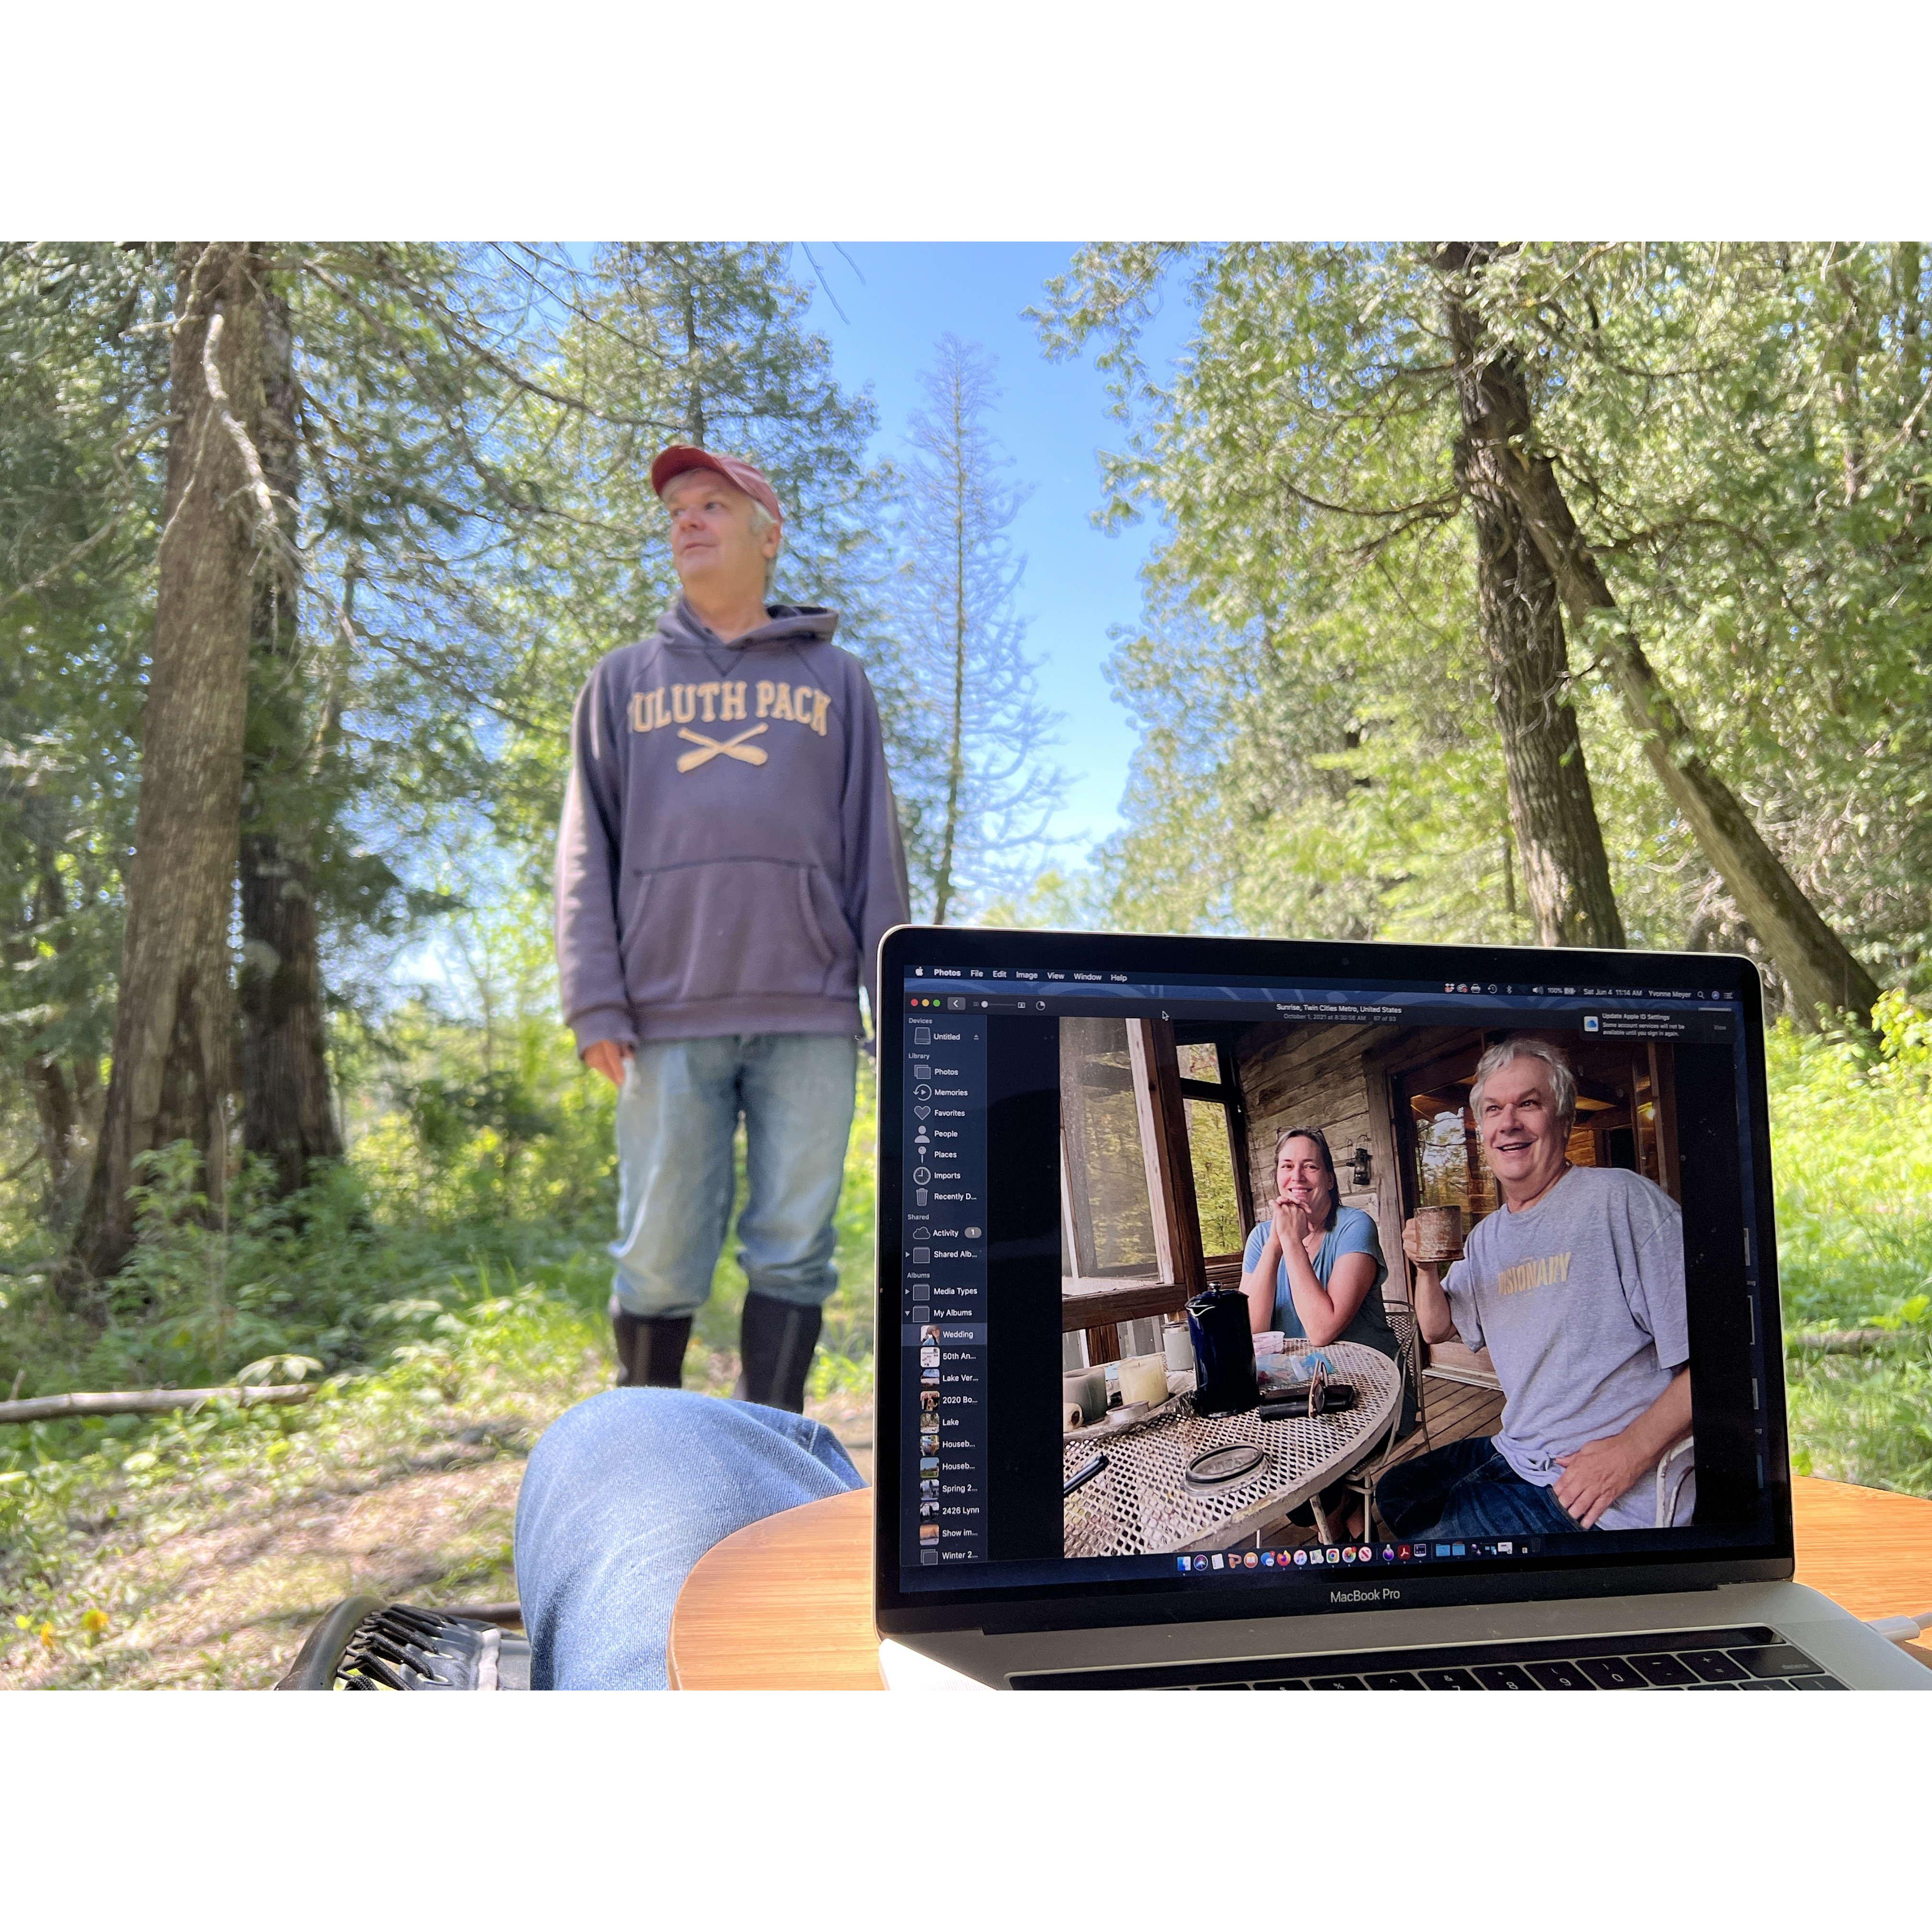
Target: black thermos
(1224,1353)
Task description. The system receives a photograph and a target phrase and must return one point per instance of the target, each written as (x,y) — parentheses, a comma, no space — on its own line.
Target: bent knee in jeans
(623,1495)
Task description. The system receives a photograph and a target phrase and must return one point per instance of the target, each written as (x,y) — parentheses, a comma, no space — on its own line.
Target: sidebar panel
(1023,1287)
(944,1292)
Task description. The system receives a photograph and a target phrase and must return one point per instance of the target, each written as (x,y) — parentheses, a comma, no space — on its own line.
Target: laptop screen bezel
(1086,1604)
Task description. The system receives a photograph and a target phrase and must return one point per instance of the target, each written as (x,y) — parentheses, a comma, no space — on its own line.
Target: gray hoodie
(729,853)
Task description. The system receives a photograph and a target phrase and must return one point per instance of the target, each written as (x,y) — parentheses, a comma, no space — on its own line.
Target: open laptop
(1077,1135)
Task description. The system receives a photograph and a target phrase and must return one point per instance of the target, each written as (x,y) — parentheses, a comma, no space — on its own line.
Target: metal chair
(1361,1480)
(1409,1359)
(1675,1467)
(364,1644)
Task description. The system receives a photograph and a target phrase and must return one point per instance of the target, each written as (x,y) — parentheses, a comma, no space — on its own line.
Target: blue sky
(1053,419)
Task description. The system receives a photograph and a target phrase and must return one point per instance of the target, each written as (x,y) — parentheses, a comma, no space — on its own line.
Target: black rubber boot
(775,1344)
(650,1354)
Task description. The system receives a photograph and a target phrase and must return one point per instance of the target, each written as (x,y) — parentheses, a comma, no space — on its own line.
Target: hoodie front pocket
(732,928)
(808,918)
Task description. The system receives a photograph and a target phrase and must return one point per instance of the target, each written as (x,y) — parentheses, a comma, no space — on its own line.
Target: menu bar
(935,984)
(941,979)
(1613,1012)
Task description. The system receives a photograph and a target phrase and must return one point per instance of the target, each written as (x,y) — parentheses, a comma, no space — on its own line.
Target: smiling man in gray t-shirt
(1579,1301)
(1576,1287)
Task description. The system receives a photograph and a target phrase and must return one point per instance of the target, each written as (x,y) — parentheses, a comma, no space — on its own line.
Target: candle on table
(1179,1347)
(1144,1378)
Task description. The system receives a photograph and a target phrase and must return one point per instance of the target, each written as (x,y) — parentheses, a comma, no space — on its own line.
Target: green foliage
(473,1145)
(474,1368)
(478,1149)
(1852,1135)
(1743,435)
(1747,428)
(1852,1153)
(444,1307)
(81,371)
(307,1277)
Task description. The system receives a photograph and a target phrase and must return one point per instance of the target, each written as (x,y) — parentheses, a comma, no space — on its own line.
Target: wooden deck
(1452,1410)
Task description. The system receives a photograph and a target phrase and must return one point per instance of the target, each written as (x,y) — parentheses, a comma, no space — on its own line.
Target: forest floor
(197,1551)
(184,1565)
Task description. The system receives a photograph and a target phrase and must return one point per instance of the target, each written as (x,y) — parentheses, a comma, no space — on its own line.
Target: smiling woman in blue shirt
(1313,1268)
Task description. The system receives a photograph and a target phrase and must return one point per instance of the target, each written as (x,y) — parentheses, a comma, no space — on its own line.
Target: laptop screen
(1299,1273)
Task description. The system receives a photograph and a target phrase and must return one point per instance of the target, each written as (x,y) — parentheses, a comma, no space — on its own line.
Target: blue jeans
(623,1494)
(677,1112)
(1465,1489)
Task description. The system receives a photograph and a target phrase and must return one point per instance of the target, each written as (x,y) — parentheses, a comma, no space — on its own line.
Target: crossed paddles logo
(730,747)
(685,705)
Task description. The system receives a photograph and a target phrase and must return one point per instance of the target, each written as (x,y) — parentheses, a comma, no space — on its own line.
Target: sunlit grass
(1852,1138)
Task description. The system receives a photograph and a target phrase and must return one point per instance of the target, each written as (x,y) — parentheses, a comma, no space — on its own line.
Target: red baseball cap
(682,456)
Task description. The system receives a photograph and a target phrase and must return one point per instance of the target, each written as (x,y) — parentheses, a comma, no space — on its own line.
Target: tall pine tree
(985,797)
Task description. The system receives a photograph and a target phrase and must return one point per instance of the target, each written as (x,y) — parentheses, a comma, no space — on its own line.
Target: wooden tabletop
(787,1603)
(784,1605)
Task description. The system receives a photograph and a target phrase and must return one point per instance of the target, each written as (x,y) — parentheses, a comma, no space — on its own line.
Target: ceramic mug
(1438,1232)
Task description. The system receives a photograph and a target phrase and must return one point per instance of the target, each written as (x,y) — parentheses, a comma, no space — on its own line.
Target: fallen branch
(146,1402)
(1844,1341)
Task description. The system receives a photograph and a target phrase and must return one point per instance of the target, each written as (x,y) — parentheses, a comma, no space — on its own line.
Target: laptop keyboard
(1711,1660)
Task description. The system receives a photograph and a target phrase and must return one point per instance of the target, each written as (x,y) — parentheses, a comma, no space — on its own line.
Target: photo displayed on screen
(1437,1303)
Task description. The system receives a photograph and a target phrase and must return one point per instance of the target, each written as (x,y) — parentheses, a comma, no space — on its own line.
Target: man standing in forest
(729,860)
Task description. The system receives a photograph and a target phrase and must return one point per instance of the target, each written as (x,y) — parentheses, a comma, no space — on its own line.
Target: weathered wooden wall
(1301,1076)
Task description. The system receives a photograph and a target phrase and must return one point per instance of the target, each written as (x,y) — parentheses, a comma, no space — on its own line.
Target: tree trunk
(1844,358)
(1552,809)
(287,1114)
(287,1117)
(173,1019)
(56,1100)
(1815,963)
(59,1123)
